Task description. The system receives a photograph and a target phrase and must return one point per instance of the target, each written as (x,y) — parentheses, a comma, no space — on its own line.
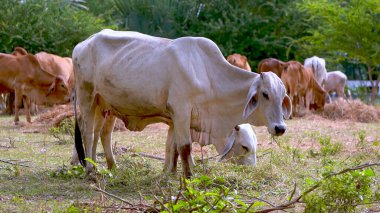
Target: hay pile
(55,115)
(353,110)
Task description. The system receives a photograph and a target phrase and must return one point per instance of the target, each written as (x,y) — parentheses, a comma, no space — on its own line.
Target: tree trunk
(374,84)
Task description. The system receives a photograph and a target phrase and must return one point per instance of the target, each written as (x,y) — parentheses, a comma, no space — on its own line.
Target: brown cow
(57,66)
(302,87)
(239,61)
(23,75)
(9,97)
(271,64)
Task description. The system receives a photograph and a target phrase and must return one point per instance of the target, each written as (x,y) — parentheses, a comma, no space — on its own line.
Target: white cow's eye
(245,148)
(265,95)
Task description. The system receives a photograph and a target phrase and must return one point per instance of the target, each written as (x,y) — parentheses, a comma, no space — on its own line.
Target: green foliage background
(287,30)
(53,26)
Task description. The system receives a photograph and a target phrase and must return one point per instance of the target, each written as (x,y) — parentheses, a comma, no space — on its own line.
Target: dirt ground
(341,120)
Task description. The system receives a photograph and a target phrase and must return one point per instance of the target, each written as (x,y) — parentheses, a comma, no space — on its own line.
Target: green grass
(306,152)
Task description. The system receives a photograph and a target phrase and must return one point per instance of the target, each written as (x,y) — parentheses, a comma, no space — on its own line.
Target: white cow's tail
(78,135)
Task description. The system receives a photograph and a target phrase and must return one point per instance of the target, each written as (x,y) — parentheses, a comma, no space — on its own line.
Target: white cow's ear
(229,144)
(252,99)
(287,107)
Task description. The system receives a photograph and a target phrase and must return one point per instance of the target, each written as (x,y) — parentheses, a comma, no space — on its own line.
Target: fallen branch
(111,195)
(13,163)
(62,117)
(297,199)
(150,156)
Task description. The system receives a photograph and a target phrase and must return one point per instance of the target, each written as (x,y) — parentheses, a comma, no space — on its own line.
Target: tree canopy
(53,26)
(346,30)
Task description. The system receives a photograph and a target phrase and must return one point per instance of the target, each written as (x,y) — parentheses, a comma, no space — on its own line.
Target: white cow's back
(319,68)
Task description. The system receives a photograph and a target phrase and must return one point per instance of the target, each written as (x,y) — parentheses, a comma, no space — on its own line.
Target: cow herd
(39,79)
(185,83)
(308,85)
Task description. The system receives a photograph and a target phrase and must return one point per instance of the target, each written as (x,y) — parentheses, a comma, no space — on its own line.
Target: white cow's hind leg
(86,103)
(106,138)
(99,123)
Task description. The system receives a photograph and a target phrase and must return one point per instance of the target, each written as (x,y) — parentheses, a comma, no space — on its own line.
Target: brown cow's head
(58,92)
(319,96)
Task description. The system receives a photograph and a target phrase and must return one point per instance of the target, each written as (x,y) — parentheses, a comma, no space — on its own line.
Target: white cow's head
(267,103)
(241,146)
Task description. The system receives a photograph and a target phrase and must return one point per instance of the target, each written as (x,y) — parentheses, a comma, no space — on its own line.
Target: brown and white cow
(185,83)
(239,61)
(271,64)
(302,87)
(23,75)
(335,82)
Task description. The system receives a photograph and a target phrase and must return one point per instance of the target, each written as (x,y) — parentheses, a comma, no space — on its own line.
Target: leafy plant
(329,148)
(362,139)
(64,133)
(203,194)
(67,172)
(340,193)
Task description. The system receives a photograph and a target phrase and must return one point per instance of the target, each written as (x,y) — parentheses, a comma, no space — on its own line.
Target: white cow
(336,81)
(319,68)
(185,83)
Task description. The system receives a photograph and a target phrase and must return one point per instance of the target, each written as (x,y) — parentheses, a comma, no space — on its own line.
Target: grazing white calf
(319,68)
(241,146)
(185,83)
(336,81)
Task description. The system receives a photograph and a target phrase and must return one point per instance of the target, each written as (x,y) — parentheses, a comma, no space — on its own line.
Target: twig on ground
(163,205)
(111,195)
(13,163)
(149,156)
(294,191)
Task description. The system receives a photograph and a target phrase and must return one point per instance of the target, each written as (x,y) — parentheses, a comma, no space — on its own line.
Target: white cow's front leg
(182,140)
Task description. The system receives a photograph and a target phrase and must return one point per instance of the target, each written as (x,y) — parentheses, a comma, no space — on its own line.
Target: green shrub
(67,172)
(53,26)
(204,194)
(340,193)
(64,133)
(329,148)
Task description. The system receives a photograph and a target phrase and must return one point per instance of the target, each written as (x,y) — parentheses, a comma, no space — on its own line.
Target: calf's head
(267,103)
(241,146)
